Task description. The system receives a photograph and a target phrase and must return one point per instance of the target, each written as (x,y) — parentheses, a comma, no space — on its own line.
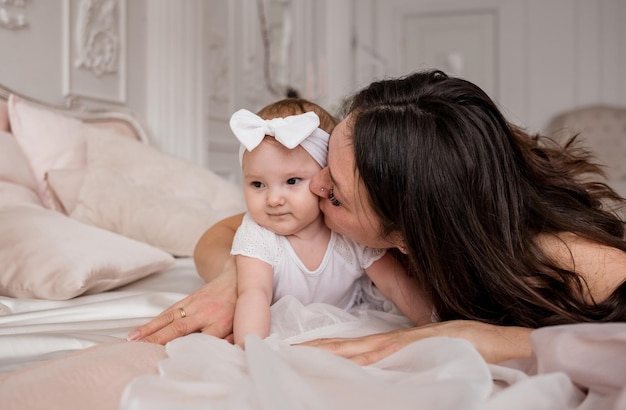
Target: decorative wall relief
(97,36)
(12,16)
(276,45)
(95,48)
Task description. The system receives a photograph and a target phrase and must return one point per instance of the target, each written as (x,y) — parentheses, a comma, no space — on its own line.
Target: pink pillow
(50,141)
(46,255)
(14,194)
(17,183)
(66,185)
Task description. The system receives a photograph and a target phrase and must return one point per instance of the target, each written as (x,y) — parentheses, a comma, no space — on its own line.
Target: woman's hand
(495,343)
(209,310)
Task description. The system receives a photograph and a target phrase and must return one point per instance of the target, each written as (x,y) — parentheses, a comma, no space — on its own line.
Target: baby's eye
(257,184)
(332,199)
(293,181)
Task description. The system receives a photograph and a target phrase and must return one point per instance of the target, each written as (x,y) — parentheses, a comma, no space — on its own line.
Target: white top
(335,281)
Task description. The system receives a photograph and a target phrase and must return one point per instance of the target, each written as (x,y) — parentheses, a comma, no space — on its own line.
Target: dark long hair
(470,193)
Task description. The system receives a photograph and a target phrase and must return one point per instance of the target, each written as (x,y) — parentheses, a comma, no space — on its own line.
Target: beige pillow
(46,255)
(146,165)
(17,184)
(136,191)
(112,201)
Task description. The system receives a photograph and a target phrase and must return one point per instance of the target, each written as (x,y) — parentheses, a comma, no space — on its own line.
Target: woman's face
(344,200)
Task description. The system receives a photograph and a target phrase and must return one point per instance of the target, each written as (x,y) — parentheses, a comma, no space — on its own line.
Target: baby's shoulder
(353,251)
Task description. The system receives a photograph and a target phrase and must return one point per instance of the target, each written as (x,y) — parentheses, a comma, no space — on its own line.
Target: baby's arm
(254,288)
(392,280)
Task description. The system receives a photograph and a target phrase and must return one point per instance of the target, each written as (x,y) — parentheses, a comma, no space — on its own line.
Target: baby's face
(276,187)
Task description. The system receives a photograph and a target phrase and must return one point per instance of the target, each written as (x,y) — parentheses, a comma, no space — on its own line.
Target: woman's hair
(470,193)
(293,106)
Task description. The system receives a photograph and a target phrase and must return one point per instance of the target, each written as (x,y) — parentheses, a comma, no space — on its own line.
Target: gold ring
(182,313)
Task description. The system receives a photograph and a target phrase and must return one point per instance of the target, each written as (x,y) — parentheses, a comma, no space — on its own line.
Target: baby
(283,246)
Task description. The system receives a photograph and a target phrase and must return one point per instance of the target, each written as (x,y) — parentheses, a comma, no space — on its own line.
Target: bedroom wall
(34,55)
(185,66)
(536,57)
(251,59)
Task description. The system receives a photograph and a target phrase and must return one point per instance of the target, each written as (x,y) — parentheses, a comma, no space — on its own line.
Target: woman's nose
(320,183)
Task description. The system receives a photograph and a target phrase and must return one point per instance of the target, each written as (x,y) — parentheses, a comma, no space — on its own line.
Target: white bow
(250,129)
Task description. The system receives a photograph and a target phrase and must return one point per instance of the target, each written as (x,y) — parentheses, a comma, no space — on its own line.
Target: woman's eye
(332,199)
(257,184)
(293,181)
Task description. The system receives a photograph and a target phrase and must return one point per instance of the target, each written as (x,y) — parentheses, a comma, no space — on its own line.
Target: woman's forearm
(212,253)
(494,343)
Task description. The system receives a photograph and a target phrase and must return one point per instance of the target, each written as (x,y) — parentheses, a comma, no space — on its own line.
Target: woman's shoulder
(602,267)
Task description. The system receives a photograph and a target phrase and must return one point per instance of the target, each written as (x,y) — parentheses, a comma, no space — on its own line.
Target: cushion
(149,196)
(65,185)
(14,194)
(17,183)
(49,141)
(46,255)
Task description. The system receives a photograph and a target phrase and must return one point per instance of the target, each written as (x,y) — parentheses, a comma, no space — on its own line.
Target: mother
(503,232)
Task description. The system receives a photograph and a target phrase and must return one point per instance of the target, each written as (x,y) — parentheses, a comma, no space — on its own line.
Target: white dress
(336,279)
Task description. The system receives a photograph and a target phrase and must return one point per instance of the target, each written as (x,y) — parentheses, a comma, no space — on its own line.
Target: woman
(503,232)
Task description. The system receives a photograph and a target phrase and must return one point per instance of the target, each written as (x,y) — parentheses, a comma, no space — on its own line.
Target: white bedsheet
(35,330)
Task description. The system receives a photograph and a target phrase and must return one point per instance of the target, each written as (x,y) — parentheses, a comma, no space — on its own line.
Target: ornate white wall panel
(301,45)
(461,44)
(578,62)
(588,45)
(13,15)
(550,55)
(337,30)
(191,63)
(483,37)
(551,59)
(612,44)
(94,61)
(368,62)
(175,76)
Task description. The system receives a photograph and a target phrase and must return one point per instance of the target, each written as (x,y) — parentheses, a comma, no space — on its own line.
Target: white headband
(300,129)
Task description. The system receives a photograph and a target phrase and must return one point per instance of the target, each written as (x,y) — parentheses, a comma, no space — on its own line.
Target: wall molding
(97,37)
(175,96)
(11,15)
(94,49)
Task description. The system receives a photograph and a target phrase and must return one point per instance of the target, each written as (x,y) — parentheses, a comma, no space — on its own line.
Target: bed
(98,229)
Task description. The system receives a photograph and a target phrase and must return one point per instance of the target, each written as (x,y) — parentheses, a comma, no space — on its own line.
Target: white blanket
(438,373)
